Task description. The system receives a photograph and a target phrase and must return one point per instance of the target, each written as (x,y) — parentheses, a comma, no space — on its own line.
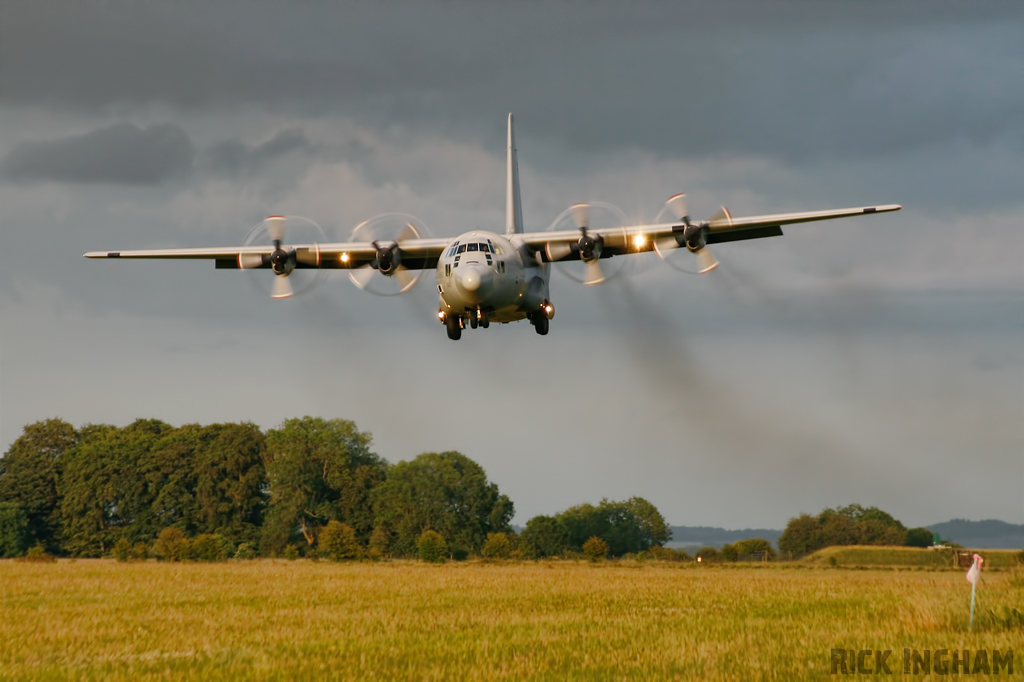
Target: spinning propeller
(387,233)
(285,261)
(588,248)
(691,235)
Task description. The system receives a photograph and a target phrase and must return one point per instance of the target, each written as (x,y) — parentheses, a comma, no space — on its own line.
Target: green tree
(615,522)
(168,469)
(919,537)
(546,535)
(319,470)
(446,492)
(15,537)
(596,549)
(338,542)
(103,488)
(654,530)
(231,481)
(754,546)
(837,529)
(802,535)
(29,475)
(432,547)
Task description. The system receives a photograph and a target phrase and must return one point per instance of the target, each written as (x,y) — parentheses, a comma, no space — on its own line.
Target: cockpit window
(471,247)
(461,249)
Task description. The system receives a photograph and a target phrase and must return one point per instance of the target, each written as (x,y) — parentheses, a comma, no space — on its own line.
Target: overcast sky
(877,360)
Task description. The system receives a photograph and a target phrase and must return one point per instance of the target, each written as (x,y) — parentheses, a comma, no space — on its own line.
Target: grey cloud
(121,154)
(790,80)
(234,157)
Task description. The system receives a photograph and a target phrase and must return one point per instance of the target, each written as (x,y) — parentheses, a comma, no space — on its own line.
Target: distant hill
(706,536)
(988,534)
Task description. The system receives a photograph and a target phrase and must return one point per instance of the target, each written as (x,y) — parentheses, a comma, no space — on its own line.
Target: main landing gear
(540,318)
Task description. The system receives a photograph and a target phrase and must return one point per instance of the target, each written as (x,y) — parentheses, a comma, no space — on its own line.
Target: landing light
(639,241)
(440,315)
(344,258)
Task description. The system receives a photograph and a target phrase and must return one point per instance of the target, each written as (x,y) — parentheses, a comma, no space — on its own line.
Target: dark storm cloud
(792,80)
(122,154)
(234,157)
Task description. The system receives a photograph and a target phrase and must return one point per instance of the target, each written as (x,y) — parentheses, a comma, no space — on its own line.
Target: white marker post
(972,577)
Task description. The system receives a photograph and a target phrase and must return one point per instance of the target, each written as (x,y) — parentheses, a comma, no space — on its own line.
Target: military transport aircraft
(485,277)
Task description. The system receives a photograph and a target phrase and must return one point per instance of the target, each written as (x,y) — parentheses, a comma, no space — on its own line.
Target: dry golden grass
(276,620)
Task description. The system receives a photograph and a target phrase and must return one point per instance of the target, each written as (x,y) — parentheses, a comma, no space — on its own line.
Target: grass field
(275,620)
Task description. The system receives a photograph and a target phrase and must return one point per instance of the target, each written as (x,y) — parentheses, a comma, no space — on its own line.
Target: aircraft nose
(472,279)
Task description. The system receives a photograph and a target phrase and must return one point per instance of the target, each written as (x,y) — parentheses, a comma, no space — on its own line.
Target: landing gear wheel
(540,324)
(454,328)
(473,321)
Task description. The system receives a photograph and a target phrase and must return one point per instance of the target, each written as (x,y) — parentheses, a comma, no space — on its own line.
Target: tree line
(849,525)
(308,486)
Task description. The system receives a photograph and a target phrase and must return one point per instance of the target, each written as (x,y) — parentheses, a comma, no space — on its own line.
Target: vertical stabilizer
(513,207)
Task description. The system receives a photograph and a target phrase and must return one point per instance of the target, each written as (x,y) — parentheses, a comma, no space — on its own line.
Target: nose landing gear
(453,324)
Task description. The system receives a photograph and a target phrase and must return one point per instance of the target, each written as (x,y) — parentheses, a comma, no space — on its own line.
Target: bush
(38,555)
(140,552)
(338,542)
(171,545)
(432,547)
(291,552)
(707,555)
(246,550)
(380,542)
(122,550)
(729,553)
(459,552)
(919,537)
(498,546)
(595,549)
(209,547)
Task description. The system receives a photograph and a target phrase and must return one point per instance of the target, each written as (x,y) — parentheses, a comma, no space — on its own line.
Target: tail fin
(513,207)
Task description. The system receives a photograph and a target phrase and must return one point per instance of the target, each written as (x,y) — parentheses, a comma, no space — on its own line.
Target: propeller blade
(679,208)
(409,231)
(662,246)
(361,276)
(282,287)
(580,215)
(248,261)
(557,250)
(406,277)
(595,275)
(721,218)
(706,260)
(275,226)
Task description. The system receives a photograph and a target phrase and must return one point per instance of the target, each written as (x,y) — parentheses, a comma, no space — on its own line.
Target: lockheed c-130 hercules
(485,277)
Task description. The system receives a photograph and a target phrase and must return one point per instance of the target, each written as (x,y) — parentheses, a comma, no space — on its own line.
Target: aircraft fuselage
(487,276)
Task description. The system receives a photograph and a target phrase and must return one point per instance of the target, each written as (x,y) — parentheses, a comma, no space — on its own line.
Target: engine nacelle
(694,238)
(590,248)
(388,260)
(282,262)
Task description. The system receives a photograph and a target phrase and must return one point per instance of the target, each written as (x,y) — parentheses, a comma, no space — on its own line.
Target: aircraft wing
(416,254)
(722,227)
